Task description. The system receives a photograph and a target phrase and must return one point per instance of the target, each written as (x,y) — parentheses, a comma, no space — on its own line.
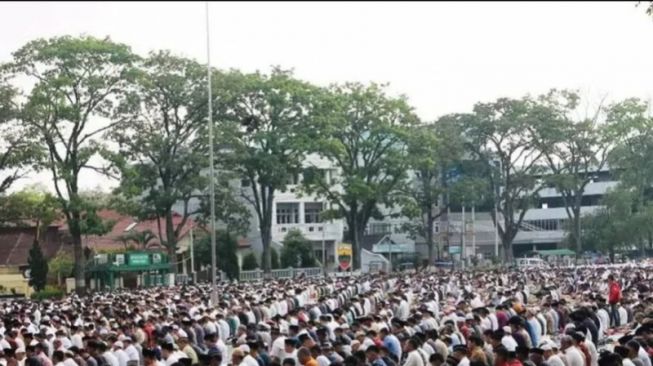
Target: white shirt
(494,321)
(292,355)
(174,357)
(464,362)
(277,347)
(69,362)
(121,356)
(428,350)
(623,319)
(627,362)
(4,344)
(132,353)
(414,359)
(403,310)
(594,354)
(323,360)
(110,358)
(225,331)
(77,340)
(574,357)
(249,361)
(604,320)
(642,355)
(555,360)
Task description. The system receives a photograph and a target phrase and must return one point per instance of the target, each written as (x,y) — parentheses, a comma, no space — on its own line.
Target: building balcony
(312,232)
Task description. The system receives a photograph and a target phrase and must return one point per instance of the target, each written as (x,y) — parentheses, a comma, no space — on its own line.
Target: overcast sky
(444,56)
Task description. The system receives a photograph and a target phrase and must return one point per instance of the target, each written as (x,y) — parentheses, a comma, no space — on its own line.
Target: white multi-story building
(543,227)
(296,210)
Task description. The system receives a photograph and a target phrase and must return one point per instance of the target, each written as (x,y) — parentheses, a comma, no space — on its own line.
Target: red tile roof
(15,243)
(112,240)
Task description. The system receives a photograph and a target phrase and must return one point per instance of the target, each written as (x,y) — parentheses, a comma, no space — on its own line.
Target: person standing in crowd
(614,297)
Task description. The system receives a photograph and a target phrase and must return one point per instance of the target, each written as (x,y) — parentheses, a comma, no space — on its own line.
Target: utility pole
(214,284)
(463,233)
(496,213)
(474,230)
(324,263)
(192,254)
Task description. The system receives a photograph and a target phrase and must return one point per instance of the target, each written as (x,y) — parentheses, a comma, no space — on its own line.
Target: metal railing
(258,274)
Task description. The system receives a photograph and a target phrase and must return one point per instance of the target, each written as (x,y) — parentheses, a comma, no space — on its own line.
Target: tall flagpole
(214,285)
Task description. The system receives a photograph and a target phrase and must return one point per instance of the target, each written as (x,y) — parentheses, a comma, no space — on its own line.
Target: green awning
(555,252)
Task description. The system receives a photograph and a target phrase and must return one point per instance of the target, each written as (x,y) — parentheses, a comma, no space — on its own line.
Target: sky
(444,57)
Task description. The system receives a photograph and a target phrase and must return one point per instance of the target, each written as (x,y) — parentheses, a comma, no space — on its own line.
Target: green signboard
(139,259)
(455,250)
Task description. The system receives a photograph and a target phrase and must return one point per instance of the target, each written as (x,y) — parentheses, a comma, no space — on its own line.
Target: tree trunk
(171,242)
(356,248)
(266,241)
(76,234)
(507,251)
(429,236)
(577,229)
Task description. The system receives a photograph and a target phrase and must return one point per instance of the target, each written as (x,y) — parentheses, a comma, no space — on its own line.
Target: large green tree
(262,123)
(574,151)
(38,267)
(76,83)
(161,150)
(29,207)
(17,151)
(226,253)
(613,227)
(364,133)
(297,251)
(498,136)
(632,132)
(435,152)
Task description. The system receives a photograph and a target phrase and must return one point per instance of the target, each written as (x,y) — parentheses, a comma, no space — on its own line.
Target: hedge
(50,292)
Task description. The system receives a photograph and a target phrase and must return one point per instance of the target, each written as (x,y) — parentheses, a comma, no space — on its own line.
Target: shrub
(250,262)
(50,292)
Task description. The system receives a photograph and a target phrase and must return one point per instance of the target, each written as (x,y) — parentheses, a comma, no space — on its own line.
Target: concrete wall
(12,278)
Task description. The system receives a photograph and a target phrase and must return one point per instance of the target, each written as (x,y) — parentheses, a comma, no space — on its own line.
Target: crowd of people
(583,316)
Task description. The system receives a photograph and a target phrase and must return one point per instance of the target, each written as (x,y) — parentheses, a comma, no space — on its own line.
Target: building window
(379,228)
(287,213)
(312,212)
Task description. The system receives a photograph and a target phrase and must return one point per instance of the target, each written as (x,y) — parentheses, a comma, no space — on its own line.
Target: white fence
(258,274)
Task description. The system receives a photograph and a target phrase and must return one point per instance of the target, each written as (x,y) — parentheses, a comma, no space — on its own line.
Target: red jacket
(615,293)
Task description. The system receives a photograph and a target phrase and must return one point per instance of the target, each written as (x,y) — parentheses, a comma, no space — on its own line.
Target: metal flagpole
(214,285)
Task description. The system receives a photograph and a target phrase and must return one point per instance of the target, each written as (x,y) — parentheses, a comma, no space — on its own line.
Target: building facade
(457,234)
